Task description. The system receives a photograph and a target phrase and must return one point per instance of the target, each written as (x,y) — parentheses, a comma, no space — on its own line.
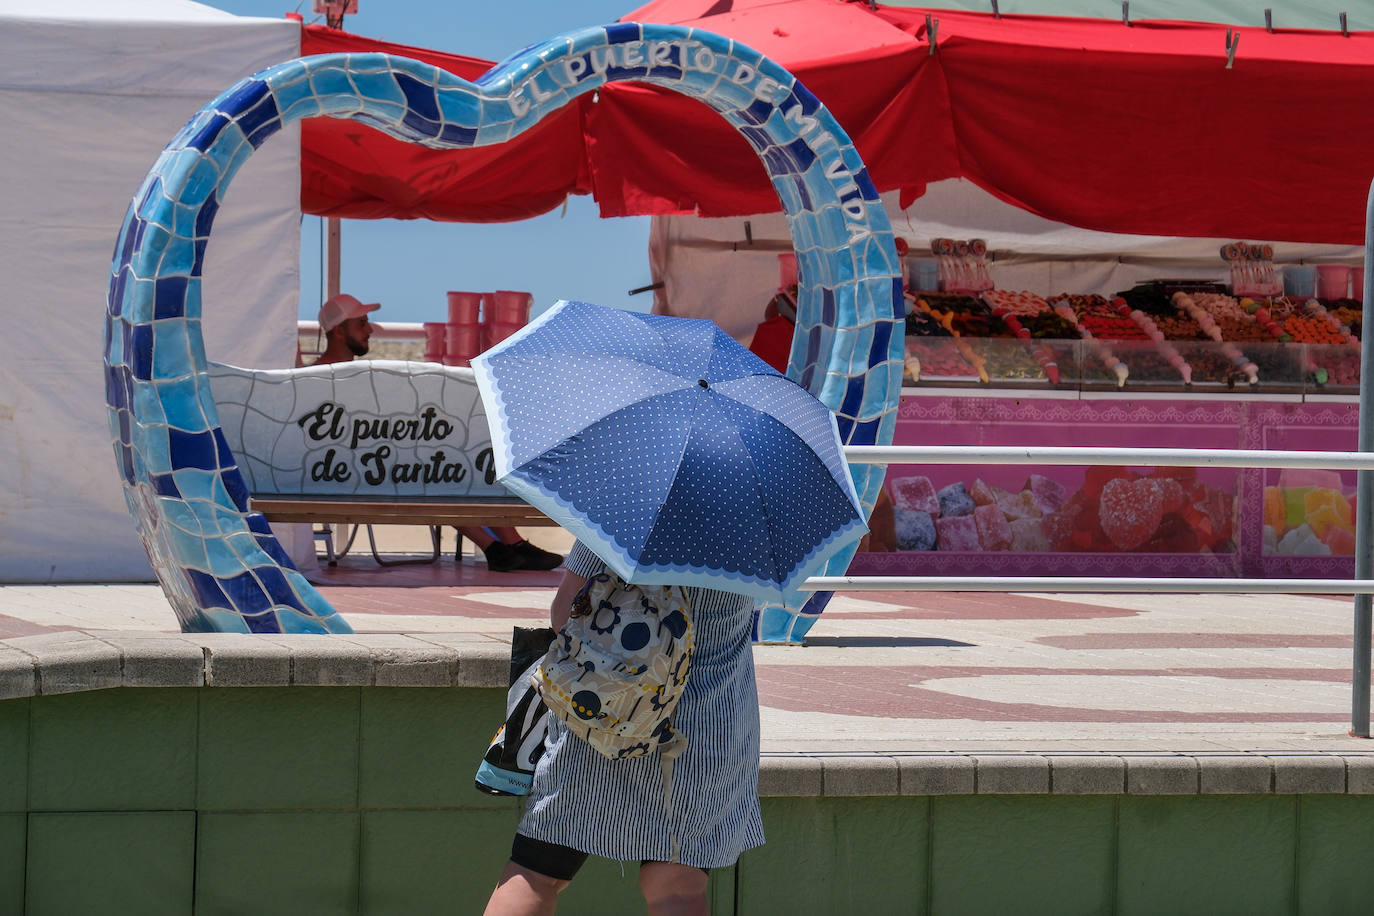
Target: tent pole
(1364,490)
(332,238)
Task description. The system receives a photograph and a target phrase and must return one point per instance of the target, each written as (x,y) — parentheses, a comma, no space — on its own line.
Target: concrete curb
(67,662)
(97,659)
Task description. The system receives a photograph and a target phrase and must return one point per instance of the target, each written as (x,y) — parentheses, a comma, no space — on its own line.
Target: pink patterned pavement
(915,671)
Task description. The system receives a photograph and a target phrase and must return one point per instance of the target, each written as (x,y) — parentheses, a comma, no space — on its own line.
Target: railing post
(1364,518)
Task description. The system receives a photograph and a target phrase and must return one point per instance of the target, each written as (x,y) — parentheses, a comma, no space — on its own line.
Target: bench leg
(434,537)
(348,545)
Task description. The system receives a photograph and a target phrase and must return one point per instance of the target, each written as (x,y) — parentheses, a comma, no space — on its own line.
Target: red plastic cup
(499,331)
(508,306)
(1333,281)
(464,307)
(435,339)
(463,341)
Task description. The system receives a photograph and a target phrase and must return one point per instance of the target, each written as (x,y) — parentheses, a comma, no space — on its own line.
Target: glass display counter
(1135,521)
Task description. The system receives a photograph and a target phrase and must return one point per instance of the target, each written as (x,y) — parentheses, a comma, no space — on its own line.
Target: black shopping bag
(507,768)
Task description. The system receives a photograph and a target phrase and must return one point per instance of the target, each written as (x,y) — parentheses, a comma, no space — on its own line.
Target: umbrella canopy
(674,453)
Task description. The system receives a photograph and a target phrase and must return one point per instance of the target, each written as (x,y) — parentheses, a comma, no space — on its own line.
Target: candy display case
(993,519)
(1168,363)
(1188,338)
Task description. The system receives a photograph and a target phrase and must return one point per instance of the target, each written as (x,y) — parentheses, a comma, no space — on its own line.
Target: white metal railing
(1362,586)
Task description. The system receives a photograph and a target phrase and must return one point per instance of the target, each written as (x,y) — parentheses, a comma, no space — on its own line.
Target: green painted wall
(360,801)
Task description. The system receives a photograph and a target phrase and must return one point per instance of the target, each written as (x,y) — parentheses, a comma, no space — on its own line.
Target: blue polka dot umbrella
(669,449)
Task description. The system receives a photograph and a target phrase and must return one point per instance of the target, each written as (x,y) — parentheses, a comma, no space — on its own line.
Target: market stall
(1125,287)
(1084,155)
(1059,336)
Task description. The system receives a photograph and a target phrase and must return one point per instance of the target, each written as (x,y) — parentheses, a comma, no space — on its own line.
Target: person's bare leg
(478,536)
(673,890)
(522,892)
(507,535)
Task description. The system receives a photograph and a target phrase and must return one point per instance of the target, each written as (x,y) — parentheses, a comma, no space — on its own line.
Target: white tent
(726,270)
(90,92)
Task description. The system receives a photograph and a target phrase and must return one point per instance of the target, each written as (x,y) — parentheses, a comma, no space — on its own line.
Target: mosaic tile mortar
(219,564)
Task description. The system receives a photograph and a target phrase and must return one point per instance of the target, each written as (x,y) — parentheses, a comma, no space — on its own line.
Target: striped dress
(617,808)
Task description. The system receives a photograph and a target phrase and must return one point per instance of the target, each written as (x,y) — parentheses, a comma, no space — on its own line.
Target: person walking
(582,803)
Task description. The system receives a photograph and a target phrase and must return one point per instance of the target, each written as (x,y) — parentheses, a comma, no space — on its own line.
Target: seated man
(347,333)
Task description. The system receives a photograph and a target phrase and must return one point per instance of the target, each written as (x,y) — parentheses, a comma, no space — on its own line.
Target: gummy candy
(1028,535)
(1186,477)
(955,500)
(984,494)
(915,493)
(1340,540)
(1173,494)
(1302,478)
(1215,506)
(1059,524)
(1047,494)
(1295,501)
(1324,517)
(1318,497)
(956,533)
(1020,504)
(1275,511)
(1302,542)
(1174,535)
(1130,511)
(1095,478)
(915,529)
(993,531)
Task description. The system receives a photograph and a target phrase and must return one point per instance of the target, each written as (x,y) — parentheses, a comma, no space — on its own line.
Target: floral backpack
(616,671)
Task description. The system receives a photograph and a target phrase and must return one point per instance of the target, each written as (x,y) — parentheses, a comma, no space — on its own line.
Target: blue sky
(408,265)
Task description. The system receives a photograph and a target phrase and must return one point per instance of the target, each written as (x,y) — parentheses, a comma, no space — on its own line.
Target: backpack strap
(581,603)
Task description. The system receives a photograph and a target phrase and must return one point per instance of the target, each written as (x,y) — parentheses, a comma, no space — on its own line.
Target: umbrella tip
(702,383)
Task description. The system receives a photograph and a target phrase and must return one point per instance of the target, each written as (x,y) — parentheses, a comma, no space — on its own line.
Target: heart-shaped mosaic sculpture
(218,562)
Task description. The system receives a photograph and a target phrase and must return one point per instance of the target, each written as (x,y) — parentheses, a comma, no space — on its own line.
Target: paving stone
(936,774)
(1102,774)
(1171,775)
(1012,774)
(1359,774)
(790,776)
(404,661)
(1239,774)
(17,675)
(157,659)
(326,661)
(1315,774)
(71,661)
(859,775)
(482,661)
(243,660)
